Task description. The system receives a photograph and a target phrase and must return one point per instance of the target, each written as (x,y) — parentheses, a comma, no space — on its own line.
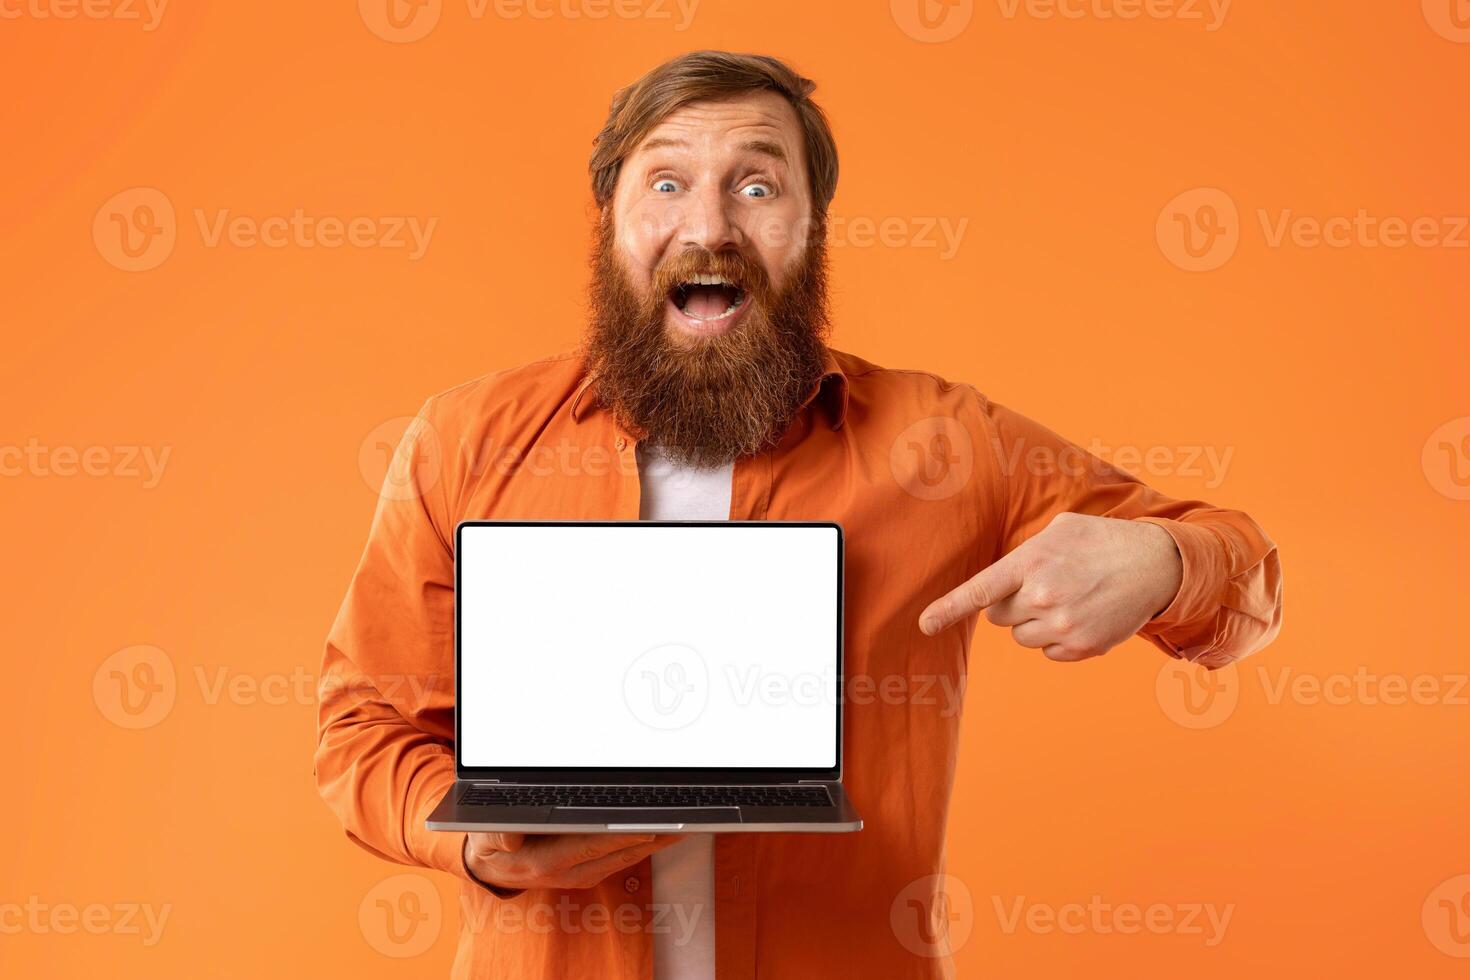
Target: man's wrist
(496,890)
(1170,562)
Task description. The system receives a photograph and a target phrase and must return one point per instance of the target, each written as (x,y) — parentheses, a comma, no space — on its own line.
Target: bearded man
(706,390)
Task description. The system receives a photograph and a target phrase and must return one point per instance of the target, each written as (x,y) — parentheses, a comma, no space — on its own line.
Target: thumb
(988,587)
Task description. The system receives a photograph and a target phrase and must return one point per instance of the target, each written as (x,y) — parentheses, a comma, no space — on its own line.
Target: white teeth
(711,319)
(705,279)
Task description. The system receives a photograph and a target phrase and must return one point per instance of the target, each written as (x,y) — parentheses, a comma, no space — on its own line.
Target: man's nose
(708,222)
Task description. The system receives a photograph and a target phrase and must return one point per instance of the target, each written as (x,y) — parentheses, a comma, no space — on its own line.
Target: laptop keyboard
(645,796)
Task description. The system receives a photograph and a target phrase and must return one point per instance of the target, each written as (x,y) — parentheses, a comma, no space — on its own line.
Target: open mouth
(708,299)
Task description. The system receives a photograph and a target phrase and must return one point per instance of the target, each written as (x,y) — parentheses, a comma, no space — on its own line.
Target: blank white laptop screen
(651,646)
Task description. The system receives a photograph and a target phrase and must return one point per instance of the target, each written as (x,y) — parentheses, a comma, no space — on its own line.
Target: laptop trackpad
(645,815)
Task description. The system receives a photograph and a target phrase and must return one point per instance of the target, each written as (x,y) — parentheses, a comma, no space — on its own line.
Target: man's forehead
(759,116)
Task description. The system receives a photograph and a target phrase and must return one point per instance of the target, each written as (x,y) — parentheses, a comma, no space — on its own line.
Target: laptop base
(453,815)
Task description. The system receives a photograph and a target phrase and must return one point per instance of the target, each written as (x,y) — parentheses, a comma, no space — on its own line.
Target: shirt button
(631,883)
(622,444)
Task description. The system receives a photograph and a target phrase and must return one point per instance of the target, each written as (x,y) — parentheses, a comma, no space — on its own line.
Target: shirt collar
(831,389)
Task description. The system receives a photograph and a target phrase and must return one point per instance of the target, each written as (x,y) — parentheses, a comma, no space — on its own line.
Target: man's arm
(384,752)
(385,726)
(1198,581)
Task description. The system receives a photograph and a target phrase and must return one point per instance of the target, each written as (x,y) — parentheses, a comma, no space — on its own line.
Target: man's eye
(665,186)
(756,190)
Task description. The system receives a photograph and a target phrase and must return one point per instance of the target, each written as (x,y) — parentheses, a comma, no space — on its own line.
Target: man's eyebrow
(769,148)
(661,142)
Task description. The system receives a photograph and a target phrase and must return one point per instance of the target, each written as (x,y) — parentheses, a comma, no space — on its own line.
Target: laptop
(642,676)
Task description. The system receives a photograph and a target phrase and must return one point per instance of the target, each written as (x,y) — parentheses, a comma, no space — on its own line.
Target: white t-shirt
(684,874)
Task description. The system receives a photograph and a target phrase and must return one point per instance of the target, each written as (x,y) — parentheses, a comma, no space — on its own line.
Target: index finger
(988,587)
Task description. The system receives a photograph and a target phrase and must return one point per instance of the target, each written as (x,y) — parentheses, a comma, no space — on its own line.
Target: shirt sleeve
(385,727)
(1229,602)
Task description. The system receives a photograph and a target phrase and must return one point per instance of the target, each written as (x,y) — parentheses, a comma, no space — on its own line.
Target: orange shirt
(930,480)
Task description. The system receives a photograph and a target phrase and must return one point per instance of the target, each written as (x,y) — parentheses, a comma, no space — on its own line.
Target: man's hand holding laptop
(519,861)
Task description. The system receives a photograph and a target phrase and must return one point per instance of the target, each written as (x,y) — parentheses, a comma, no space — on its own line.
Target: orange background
(1323,370)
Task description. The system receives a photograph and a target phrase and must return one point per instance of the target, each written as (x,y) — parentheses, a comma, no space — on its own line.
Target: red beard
(706,400)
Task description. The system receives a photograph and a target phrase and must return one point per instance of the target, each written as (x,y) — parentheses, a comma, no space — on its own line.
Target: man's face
(723,177)
(709,282)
